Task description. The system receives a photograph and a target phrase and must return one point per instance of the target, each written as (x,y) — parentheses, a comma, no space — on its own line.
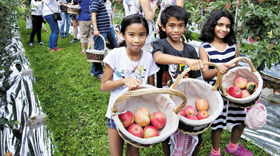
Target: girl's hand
(194,64)
(225,67)
(157,29)
(132,83)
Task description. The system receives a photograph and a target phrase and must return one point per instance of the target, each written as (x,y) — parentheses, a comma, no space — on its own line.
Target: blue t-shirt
(85,14)
(102,17)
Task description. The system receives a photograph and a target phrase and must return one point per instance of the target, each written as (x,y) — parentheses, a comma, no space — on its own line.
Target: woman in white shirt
(50,7)
(37,20)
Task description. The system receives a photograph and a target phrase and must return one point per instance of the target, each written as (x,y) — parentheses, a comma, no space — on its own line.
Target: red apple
(127,118)
(245,93)
(150,131)
(196,2)
(189,110)
(136,130)
(235,91)
(260,0)
(202,115)
(251,86)
(276,92)
(142,116)
(158,120)
(228,6)
(208,0)
(237,3)
(192,117)
(183,113)
(228,87)
(201,104)
(240,82)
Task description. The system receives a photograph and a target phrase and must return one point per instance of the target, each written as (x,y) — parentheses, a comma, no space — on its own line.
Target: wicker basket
(97,55)
(73,9)
(155,99)
(194,89)
(251,74)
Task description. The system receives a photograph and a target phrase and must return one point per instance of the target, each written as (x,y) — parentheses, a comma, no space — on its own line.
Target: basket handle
(145,91)
(104,41)
(185,39)
(253,69)
(214,88)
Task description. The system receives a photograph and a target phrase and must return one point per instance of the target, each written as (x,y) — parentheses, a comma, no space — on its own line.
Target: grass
(74,104)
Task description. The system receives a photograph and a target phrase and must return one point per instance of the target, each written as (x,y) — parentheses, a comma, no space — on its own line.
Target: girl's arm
(157,22)
(210,74)
(145,4)
(151,80)
(180,3)
(165,59)
(108,84)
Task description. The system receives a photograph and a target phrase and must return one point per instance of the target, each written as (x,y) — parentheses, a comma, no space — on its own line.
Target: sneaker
(241,151)
(41,43)
(57,49)
(31,44)
(74,41)
(99,76)
(213,155)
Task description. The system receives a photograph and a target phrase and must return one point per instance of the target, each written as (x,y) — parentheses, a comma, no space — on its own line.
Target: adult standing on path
(101,26)
(50,7)
(75,23)
(37,20)
(66,21)
(141,7)
(111,37)
(85,25)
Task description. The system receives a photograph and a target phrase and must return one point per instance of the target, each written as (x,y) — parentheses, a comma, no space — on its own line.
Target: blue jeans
(54,31)
(96,68)
(65,18)
(112,37)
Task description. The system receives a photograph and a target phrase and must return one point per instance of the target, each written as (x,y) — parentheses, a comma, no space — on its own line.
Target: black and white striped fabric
(218,57)
(231,114)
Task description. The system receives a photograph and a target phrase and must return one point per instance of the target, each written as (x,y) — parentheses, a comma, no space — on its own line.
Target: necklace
(134,67)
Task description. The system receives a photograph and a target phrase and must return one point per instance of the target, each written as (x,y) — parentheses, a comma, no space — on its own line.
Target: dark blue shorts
(111,124)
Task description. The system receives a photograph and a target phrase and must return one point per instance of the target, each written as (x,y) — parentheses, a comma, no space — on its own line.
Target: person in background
(65,18)
(51,6)
(75,23)
(163,5)
(134,30)
(143,8)
(111,36)
(219,47)
(85,25)
(37,21)
(171,53)
(101,26)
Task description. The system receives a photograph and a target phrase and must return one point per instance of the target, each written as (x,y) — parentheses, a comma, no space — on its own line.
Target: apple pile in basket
(143,124)
(242,88)
(201,107)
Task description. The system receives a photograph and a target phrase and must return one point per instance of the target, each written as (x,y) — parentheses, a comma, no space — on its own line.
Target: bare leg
(116,142)
(75,26)
(196,150)
(131,150)
(166,147)
(84,47)
(216,138)
(236,133)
